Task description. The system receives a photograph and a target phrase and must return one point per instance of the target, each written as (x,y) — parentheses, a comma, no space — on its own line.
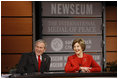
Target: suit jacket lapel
(35,60)
(43,63)
(43,58)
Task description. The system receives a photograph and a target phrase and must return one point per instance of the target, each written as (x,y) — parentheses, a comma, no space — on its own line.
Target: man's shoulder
(29,53)
(45,55)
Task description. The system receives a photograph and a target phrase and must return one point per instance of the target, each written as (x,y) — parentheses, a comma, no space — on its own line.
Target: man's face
(39,48)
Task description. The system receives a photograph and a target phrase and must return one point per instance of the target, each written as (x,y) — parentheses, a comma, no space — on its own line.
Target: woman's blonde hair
(80,41)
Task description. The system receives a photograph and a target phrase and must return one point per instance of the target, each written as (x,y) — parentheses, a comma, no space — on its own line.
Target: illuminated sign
(73,9)
(64,44)
(72,26)
(61,20)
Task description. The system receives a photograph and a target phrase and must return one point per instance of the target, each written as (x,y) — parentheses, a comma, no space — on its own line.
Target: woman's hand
(85,69)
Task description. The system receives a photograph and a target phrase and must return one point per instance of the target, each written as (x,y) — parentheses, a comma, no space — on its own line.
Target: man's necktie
(39,63)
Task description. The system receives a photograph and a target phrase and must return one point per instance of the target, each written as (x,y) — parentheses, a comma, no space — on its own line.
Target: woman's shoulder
(71,56)
(87,55)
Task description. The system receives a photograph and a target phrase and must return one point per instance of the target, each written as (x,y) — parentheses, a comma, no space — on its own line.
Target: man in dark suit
(35,61)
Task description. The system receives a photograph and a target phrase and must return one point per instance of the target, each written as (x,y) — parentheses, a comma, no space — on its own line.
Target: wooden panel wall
(16,30)
(111,28)
(111,13)
(16,8)
(16,26)
(111,33)
(9,61)
(16,44)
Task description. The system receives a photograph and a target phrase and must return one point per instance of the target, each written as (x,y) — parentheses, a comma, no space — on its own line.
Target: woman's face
(77,48)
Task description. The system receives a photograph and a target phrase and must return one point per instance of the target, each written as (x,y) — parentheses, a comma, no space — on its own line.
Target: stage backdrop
(62,22)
